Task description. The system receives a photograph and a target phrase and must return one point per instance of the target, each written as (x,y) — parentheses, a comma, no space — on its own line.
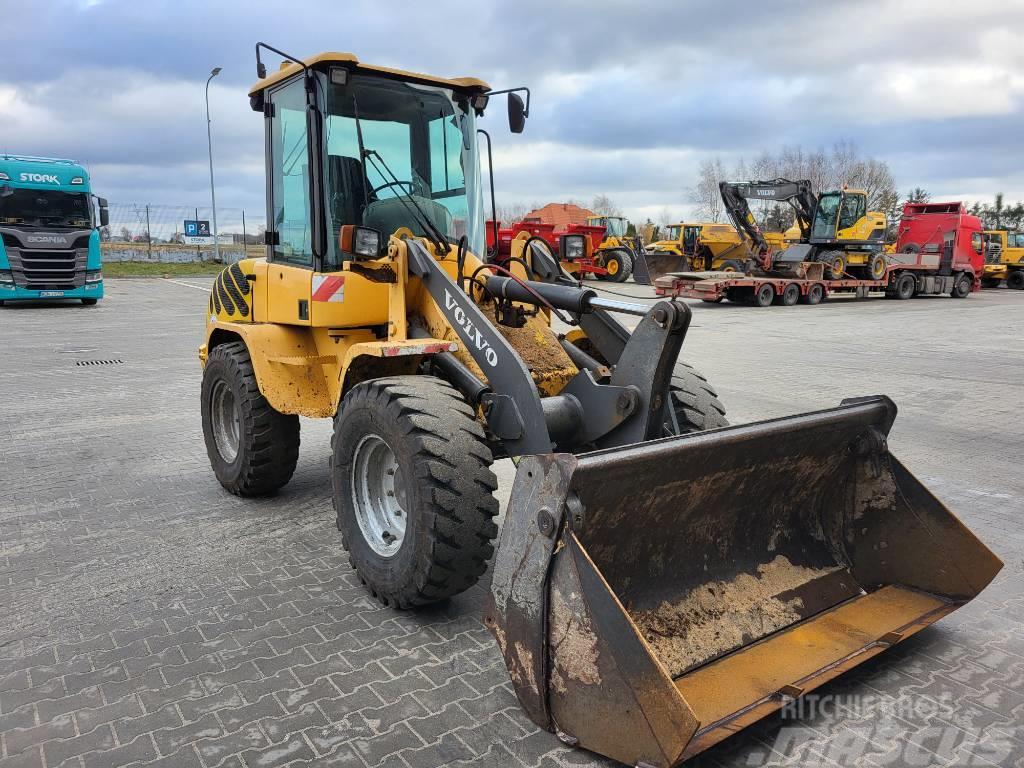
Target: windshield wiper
(437,237)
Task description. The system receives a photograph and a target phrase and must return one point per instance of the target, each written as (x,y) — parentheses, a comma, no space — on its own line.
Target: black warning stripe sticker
(211,302)
(215,297)
(236,297)
(240,281)
(222,293)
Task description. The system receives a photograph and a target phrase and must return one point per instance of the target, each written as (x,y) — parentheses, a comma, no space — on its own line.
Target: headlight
(572,247)
(361,242)
(94,276)
(6,278)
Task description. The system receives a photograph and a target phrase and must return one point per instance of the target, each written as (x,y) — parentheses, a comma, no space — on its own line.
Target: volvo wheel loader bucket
(651,600)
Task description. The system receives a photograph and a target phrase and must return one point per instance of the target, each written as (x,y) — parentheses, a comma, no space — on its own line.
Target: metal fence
(146,232)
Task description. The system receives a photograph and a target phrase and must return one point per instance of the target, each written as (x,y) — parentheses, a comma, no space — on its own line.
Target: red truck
(546,232)
(939,250)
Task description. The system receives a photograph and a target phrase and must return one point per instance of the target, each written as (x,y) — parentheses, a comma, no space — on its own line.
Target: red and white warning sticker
(330,288)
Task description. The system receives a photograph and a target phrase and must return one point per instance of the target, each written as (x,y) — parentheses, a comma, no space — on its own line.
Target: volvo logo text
(476,338)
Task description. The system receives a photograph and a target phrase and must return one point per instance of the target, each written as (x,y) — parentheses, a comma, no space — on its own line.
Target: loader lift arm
(797,193)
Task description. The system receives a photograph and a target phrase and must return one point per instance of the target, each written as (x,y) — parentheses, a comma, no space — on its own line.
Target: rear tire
(990,282)
(815,294)
(441,482)
(790,295)
(876,266)
(962,286)
(89,302)
(694,402)
(904,287)
(732,266)
(253,449)
(763,295)
(1015,280)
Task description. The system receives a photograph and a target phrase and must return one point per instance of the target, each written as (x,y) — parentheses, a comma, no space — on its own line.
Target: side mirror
(104,211)
(516,113)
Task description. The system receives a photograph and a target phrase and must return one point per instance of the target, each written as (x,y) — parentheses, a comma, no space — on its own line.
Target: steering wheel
(375,190)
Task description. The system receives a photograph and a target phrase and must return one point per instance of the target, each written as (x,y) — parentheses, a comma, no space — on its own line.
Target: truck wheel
(1015,280)
(695,403)
(877,266)
(790,295)
(89,302)
(413,489)
(736,295)
(253,449)
(962,286)
(815,294)
(763,295)
(732,266)
(905,287)
(990,282)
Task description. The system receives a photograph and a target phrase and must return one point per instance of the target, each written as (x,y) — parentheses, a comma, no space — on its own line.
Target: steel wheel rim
(225,420)
(379,495)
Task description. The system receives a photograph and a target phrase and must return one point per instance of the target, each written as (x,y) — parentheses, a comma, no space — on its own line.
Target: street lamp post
(209,144)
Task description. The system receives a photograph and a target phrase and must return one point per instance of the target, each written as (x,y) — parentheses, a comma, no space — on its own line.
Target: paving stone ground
(148,618)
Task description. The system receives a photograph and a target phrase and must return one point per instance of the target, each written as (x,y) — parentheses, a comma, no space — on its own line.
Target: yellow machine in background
(662,579)
(617,251)
(1004,259)
(705,246)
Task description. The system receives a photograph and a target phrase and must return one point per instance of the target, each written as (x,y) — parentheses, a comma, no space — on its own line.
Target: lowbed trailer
(900,282)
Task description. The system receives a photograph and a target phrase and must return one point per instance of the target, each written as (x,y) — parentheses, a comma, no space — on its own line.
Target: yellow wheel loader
(662,579)
(1004,259)
(617,252)
(705,247)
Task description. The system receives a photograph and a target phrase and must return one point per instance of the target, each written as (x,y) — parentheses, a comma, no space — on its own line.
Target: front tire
(253,449)
(89,302)
(695,404)
(413,489)
(619,264)
(1015,280)
(962,286)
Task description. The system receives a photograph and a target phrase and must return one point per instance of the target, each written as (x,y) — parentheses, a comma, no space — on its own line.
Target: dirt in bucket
(720,616)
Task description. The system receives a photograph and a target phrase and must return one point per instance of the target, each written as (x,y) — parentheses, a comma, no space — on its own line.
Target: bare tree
(605,206)
(706,195)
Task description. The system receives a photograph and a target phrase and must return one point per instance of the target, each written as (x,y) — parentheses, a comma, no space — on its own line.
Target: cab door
(290,264)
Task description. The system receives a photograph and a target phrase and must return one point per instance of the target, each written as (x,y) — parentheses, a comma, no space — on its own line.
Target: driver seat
(347,188)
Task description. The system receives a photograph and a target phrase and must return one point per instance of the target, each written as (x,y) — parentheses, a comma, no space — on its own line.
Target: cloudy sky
(628,97)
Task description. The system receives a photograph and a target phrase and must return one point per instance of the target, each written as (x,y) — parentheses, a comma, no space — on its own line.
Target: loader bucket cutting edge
(651,600)
(660,263)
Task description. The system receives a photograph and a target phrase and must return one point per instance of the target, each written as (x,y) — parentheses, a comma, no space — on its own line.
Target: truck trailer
(49,231)
(939,250)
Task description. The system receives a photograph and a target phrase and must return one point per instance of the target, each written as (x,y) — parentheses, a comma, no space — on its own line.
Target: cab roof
(323,60)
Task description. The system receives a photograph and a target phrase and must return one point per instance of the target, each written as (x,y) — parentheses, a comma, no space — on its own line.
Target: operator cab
(614,226)
(837,211)
(356,146)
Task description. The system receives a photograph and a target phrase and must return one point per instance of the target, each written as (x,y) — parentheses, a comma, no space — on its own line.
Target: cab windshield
(825,216)
(615,226)
(44,208)
(417,141)
(672,232)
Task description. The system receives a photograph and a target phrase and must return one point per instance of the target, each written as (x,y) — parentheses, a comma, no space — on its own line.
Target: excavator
(835,228)
(662,579)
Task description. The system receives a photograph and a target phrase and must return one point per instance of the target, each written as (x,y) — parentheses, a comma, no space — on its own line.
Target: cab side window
(853,210)
(289,169)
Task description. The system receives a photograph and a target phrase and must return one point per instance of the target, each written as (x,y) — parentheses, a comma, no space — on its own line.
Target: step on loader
(662,579)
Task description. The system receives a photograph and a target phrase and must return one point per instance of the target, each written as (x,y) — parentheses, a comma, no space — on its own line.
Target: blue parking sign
(197,228)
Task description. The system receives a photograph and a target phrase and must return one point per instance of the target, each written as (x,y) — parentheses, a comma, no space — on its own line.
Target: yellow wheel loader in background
(617,251)
(705,247)
(662,579)
(1004,259)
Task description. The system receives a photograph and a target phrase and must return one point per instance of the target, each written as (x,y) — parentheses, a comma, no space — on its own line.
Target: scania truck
(49,228)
